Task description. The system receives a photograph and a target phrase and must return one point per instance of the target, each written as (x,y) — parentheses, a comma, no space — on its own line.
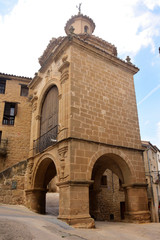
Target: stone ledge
(76,183)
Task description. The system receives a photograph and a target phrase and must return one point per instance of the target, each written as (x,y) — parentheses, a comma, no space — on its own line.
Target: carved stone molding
(64,69)
(64,76)
(38,117)
(34,106)
(30,170)
(62,155)
(63,133)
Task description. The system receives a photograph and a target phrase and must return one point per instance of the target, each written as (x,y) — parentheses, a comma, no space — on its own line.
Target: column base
(138,217)
(36,200)
(84,222)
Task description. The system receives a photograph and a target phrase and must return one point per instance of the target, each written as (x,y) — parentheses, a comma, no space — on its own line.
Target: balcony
(3,147)
(46,140)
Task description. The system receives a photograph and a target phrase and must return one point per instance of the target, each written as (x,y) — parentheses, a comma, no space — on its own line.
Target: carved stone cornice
(64,66)
(101,52)
(35,80)
(105,55)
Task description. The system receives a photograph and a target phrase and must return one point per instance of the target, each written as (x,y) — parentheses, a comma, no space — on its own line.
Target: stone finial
(128,59)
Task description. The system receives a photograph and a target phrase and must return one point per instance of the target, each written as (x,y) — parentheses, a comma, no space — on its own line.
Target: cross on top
(79,8)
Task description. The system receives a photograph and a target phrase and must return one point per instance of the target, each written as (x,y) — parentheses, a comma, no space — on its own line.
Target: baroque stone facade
(97,128)
(84,126)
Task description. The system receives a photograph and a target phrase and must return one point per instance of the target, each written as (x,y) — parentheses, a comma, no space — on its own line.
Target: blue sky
(133,26)
(6,6)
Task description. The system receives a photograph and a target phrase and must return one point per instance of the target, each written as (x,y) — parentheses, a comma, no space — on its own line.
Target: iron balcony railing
(46,140)
(8,120)
(3,147)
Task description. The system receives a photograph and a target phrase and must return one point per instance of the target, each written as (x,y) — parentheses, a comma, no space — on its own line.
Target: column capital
(75,183)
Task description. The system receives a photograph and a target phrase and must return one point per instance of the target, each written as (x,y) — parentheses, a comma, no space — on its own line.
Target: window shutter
(16,109)
(7,109)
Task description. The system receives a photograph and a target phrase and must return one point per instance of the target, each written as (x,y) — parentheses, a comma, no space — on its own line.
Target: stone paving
(18,223)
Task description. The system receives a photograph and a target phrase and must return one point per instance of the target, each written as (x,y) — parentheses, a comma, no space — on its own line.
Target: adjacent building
(15,119)
(151,162)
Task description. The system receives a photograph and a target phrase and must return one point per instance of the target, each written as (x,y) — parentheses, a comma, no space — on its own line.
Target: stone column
(36,200)
(136,203)
(74,203)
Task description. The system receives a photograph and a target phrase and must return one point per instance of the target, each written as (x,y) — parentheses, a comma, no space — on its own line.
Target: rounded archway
(44,172)
(107,196)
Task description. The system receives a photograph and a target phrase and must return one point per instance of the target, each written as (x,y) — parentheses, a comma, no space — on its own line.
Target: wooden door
(49,114)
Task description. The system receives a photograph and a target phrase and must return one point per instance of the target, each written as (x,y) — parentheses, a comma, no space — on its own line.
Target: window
(86,29)
(10,112)
(24,90)
(0,136)
(104,180)
(2,86)
(120,185)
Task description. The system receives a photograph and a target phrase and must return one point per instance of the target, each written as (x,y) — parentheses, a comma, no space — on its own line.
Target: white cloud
(27,30)
(149,94)
(151,3)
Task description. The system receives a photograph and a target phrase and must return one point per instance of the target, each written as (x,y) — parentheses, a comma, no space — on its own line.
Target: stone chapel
(84,124)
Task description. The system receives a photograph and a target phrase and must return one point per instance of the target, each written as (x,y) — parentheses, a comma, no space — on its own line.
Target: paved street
(17,223)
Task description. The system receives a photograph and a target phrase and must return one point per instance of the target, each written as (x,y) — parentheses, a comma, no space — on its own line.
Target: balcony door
(49,118)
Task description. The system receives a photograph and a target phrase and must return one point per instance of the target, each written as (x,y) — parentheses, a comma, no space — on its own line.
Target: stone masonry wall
(82,154)
(12,184)
(17,135)
(110,197)
(103,103)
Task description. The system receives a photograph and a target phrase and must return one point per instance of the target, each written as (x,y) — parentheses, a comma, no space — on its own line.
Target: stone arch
(48,85)
(48,158)
(45,169)
(105,203)
(112,153)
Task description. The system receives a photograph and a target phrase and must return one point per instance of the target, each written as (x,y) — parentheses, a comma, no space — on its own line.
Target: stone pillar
(136,203)
(36,200)
(74,203)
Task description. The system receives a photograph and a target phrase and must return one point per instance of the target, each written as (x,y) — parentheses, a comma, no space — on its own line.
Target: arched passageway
(44,173)
(107,196)
(52,197)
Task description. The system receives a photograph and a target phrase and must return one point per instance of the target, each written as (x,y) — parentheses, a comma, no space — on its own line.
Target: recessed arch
(48,115)
(86,29)
(118,157)
(105,203)
(45,89)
